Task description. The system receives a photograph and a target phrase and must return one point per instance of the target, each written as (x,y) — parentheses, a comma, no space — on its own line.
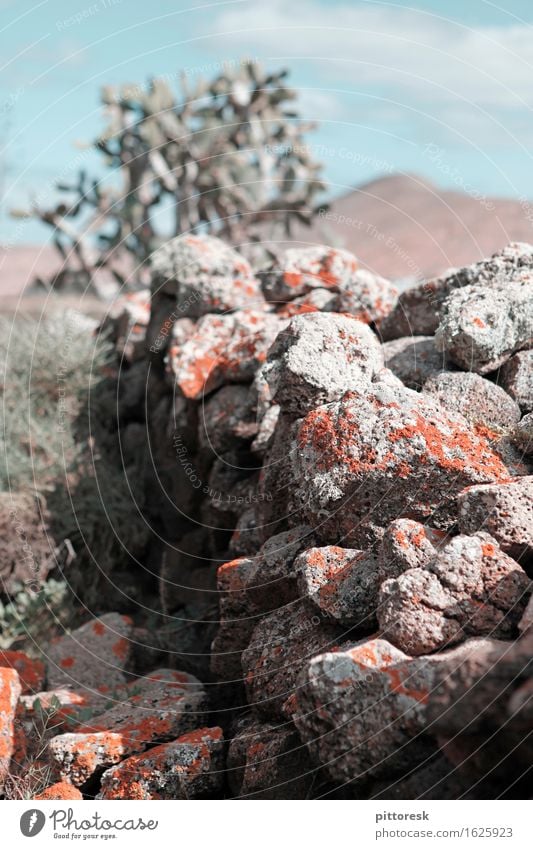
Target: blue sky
(442,88)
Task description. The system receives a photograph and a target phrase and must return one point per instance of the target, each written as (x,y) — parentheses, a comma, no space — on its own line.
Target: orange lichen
(293,279)
(121,648)
(31,672)
(398,685)
(60,790)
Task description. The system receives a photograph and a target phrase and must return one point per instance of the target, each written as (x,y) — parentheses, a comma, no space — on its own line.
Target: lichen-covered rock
(300,270)
(516,377)
(249,588)
(470,588)
(204,274)
(10,690)
(318,358)
(384,453)
(342,583)
(223,349)
(317,300)
(94,656)
(484,691)
(407,544)
(418,310)
(190,767)
(479,400)
(362,710)
(366,710)
(280,645)
(246,538)
(268,761)
(59,790)
(276,487)
(505,511)
(414,359)
(157,708)
(482,326)
(31,672)
(367,297)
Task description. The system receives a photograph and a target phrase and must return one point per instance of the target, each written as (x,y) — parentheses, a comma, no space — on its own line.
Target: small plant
(227,157)
(31,619)
(33,772)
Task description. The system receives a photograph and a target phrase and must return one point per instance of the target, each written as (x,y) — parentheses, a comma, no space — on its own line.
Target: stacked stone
(342,481)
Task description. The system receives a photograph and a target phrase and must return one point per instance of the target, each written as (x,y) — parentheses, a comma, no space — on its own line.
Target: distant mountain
(404,226)
(400,226)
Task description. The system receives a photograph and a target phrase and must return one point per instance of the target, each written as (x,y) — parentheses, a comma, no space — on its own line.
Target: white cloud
(437,67)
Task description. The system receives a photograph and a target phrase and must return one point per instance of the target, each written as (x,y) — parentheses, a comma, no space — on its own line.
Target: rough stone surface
(407,544)
(9,694)
(205,275)
(470,588)
(481,402)
(414,359)
(95,654)
(482,326)
(505,511)
(516,377)
(485,691)
(362,710)
(418,310)
(223,349)
(367,297)
(249,588)
(522,435)
(342,583)
(226,420)
(318,358)
(279,647)
(158,708)
(526,621)
(268,761)
(300,270)
(384,453)
(190,767)
(59,790)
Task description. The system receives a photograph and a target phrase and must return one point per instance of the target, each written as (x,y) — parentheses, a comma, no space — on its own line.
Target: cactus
(227,158)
